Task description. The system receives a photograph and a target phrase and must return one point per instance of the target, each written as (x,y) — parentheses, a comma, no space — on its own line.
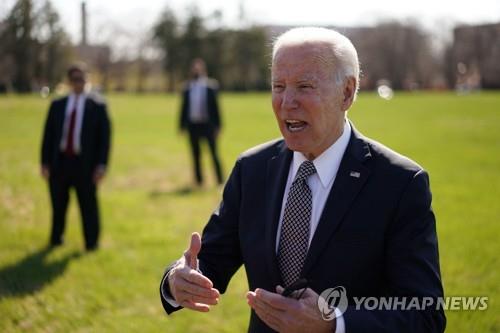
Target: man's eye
(305,86)
(278,87)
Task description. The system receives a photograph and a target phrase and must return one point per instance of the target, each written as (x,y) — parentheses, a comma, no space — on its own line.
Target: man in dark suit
(75,150)
(325,206)
(200,117)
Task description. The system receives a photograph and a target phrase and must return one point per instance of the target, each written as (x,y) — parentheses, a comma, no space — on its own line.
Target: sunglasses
(77,79)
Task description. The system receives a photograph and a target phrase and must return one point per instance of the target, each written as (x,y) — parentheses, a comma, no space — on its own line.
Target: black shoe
(91,248)
(54,244)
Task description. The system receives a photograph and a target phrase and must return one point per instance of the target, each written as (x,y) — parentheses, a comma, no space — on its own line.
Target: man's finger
(256,303)
(186,296)
(194,249)
(198,278)
(274,300)
(200,307)
(280,289)
(196,289)
(268,314)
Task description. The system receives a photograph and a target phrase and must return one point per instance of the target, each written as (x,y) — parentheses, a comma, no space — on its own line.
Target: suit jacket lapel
(277,174)
(351,177)
(87,110)
(58,121)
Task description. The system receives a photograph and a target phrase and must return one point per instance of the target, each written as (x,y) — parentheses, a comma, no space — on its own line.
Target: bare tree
(166,35)
(54,47)
(19,44)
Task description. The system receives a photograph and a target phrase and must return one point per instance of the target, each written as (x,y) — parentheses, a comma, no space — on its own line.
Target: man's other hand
(44,170)
(99,173)
(188,286)
(285,314)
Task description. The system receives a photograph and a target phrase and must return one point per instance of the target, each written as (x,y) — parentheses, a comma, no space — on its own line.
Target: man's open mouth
(295,125)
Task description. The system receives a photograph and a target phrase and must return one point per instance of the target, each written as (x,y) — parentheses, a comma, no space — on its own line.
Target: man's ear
(349,93)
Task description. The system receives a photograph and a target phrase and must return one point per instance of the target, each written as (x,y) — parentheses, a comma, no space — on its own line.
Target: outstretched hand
(189,287)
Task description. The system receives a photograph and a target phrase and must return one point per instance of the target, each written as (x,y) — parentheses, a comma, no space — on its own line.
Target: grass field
(147,218)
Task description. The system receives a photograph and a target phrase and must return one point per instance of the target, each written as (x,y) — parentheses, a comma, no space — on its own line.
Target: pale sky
(136,16)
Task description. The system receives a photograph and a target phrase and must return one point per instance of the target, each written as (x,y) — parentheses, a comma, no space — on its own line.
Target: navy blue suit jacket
(214,118)
(376,236)
(95,139)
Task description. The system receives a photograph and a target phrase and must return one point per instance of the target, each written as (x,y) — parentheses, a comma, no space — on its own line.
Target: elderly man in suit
(324,205)
(200,117)
(75,150)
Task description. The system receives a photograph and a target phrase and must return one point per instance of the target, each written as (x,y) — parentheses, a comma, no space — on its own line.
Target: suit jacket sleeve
(214,107)
(220,255)
(165,291)
(183,119)
(412,267)
(104,136)
(48,136)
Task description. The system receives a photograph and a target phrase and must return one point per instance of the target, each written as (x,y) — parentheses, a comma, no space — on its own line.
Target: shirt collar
(72,96)
(201,81)
(326,164)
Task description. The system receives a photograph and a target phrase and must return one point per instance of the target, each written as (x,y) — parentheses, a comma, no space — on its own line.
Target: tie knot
(305,170)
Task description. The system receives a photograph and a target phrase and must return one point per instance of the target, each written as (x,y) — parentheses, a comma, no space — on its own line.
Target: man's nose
(289,99)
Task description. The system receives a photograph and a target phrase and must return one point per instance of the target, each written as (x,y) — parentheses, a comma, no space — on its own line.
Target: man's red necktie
(70,151)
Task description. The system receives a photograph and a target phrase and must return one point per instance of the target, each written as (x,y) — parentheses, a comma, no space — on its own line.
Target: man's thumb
(194,249)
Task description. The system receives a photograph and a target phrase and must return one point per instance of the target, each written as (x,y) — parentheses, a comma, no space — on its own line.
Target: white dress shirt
(320,183)
(79,102)
(198,101)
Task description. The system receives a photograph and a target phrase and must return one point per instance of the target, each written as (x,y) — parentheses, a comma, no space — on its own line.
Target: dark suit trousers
(70,174)
(197,132)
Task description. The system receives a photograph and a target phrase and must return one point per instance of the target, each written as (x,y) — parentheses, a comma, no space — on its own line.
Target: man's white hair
(345,57)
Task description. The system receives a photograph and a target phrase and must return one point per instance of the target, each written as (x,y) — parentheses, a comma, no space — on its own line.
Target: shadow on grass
(32,273)
(181,191)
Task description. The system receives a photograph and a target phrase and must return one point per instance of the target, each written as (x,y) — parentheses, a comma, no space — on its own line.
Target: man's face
(77,81)
(306,101)
(197,69)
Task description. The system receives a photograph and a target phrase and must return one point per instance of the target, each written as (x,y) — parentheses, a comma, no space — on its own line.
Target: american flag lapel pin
(355,174)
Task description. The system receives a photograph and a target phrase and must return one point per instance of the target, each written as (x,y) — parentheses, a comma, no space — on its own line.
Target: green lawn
(147,219)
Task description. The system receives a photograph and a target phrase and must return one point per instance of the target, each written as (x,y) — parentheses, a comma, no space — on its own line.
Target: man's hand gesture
(285,314)
(189,287)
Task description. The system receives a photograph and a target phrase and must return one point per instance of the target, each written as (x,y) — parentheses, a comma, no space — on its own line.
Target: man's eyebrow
(307,80)
(302,79)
